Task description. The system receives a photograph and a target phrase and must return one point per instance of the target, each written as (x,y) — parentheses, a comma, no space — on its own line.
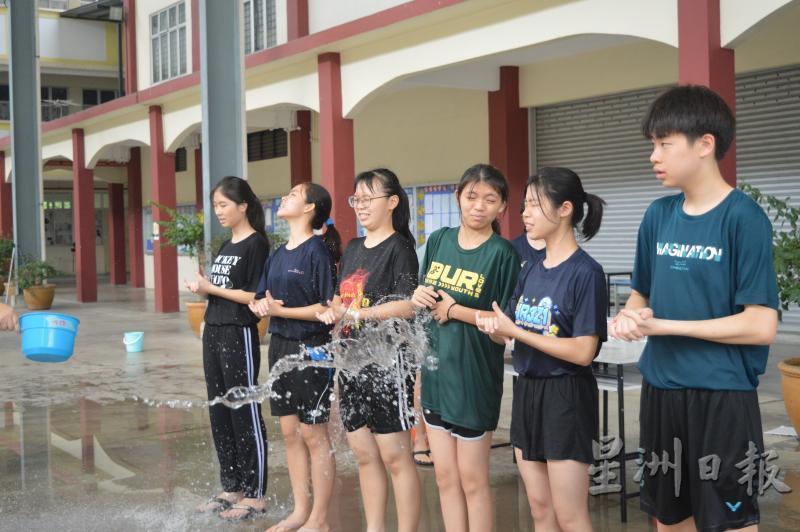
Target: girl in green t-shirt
(464,270)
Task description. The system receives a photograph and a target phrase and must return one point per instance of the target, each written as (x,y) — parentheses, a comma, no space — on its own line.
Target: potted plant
(6,249)
(32,277)
(786,251)
(185,232)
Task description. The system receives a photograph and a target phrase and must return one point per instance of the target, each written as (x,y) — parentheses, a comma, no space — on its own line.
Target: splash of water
(376,342)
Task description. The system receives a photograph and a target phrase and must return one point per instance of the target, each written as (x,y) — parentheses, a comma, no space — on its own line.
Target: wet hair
(401,215)
(238,191)
(691,110)
(485,173)
(560,185)
(321,199)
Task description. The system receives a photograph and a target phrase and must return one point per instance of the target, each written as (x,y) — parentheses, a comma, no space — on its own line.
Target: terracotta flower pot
(196,311)
(790,382)
(39,297)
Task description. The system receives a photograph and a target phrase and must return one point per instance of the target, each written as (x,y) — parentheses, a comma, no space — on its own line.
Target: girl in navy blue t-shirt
(297,281)
(557,319)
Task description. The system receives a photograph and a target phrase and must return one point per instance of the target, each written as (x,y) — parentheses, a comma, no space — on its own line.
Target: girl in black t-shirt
(297,281)
(376,405)
(557,317)
(231,354)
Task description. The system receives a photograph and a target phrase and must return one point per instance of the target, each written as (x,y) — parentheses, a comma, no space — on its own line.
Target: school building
(424,87)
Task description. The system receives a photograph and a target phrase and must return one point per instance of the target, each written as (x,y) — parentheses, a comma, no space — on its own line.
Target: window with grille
(168,42)
(97,96)
(260,25)
(270,144)
(180,160)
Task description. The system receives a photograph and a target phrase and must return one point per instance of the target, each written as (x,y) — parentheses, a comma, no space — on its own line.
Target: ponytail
(560,185)
(594,215)
(238,191)
(321,199)
(333,241)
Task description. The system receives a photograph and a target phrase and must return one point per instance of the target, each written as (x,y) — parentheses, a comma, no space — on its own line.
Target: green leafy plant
(276,240)
(6,249)
(184,231)
(34,272)
(216,243)
(785,242)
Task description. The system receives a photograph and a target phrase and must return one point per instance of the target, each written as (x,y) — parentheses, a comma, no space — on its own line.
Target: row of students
(554,311)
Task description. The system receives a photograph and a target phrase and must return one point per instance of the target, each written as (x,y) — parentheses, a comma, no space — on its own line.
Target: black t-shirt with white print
(368,275)
(237,267)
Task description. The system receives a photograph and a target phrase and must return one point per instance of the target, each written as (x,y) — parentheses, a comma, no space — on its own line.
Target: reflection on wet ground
(77,452)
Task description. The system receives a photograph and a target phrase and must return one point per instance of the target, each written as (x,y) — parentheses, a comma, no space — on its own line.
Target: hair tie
(585,197)
(329,223)
(317,232)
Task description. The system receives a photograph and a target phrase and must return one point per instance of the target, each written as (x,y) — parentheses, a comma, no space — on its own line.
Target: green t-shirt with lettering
(466,387)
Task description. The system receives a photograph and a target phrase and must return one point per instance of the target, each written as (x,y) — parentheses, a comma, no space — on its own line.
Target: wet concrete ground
(77,452)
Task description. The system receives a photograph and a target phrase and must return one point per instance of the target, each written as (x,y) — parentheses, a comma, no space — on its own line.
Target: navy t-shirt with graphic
(700,268)
(527,253)
(300,277)
(566,301)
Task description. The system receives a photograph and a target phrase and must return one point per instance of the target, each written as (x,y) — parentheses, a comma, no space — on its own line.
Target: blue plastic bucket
(134,341)
(48,337)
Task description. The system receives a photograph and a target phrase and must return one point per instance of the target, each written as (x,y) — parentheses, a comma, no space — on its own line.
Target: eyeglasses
(363,202)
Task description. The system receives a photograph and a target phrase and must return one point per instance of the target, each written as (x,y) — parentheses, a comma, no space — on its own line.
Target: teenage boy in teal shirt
(705,296)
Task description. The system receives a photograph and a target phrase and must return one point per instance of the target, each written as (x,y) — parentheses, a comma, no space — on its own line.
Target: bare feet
(221,502)
(241,511)
(294,521)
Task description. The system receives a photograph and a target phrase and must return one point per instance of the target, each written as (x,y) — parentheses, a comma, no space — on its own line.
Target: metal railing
(51,109)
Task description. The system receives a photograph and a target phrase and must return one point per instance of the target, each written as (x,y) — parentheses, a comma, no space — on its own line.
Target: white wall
(324,14)
(187,267)
(4,33)
(75,40)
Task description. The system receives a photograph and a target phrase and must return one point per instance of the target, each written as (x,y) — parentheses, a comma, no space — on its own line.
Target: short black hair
(692,110)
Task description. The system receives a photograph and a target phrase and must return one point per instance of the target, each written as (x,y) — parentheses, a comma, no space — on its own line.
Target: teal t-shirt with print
(699,268)
(466,387)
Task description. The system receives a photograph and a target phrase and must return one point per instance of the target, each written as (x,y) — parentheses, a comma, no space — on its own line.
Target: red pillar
(116,235)
(300,149)
(162,174)
(83,225)
(336,144)
(297,18)
(6,202)
(135,237)
(129,18)
(198,180)
(703,61)
(90,425)
(508,144)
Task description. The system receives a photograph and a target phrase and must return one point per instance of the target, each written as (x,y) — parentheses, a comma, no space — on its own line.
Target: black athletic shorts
(305,393)
(379,398)
(555,418)
(434,421)
(717,434)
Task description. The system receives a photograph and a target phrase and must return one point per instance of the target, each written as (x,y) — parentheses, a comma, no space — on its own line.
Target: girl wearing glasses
(297,281)
(465,269)
(376,405)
